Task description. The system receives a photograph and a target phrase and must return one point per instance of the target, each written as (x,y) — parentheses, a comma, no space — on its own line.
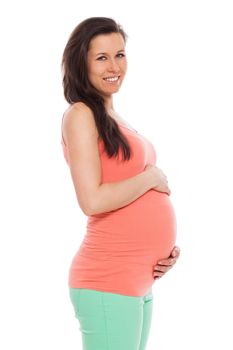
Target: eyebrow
(105,53)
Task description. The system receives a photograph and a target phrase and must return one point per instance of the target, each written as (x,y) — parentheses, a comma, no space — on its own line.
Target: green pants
(111,321)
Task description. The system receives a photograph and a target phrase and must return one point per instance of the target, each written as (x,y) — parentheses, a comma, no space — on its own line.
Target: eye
(101,58)
(120,55)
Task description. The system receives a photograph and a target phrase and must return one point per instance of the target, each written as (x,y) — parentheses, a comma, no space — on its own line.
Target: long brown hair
(77,86)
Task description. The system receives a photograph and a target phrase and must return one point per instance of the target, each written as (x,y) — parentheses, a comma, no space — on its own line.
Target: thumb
(175,251)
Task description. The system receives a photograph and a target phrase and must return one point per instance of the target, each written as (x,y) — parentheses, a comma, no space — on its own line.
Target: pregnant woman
(131,228)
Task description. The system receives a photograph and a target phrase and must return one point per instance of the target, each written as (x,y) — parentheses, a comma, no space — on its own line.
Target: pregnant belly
(142,232)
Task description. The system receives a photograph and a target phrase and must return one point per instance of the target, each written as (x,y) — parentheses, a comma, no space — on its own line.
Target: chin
(109,93)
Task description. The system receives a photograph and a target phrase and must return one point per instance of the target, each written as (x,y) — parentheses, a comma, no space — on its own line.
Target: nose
(113,66)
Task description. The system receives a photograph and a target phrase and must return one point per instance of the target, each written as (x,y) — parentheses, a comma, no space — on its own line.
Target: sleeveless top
(121,247)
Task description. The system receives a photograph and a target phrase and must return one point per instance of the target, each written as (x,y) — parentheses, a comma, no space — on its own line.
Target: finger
(167,262)
(158,274)
(172,258)
(162,268)
(157,277)
(175,252)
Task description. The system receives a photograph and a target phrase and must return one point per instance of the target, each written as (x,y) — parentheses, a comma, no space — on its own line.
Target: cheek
(96,74)
(124,66)
(93,70)
(96,68)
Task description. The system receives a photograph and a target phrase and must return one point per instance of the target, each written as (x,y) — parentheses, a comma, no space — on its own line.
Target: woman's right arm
(81,137)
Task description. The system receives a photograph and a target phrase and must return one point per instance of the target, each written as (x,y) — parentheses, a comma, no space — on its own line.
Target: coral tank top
(121,247)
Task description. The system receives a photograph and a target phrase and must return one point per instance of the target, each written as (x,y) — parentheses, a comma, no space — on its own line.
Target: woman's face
(106,63)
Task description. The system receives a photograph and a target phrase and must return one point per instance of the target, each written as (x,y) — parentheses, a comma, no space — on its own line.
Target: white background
(178,93)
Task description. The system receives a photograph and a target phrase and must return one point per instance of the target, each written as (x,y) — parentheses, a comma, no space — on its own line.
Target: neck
(109,104)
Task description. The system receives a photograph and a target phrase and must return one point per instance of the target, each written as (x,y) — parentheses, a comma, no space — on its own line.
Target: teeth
(111,79)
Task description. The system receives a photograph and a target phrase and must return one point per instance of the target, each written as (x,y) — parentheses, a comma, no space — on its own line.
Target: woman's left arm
(165,265)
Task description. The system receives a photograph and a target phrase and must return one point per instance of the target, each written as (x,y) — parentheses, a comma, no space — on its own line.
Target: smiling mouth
(112,79)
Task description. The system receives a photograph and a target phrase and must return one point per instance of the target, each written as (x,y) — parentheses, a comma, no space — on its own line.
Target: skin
(165,265)
(106,57)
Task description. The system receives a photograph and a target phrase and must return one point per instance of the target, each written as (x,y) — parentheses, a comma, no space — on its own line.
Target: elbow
(86,210)
(89,209)
(88,204)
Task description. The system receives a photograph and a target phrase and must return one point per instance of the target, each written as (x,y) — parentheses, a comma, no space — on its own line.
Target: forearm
(114,195)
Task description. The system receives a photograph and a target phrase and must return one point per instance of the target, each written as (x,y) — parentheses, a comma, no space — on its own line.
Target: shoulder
(79,109)
(79,117)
